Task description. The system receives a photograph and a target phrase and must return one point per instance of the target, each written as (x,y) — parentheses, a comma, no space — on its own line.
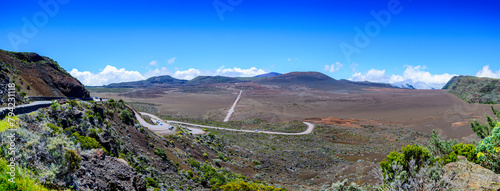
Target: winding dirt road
(164,126)
(163,129)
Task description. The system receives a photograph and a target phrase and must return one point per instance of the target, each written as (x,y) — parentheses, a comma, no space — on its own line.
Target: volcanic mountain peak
(166,79)
(298,77)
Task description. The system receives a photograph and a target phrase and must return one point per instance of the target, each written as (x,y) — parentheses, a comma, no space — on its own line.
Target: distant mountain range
(474,89)
(315,80)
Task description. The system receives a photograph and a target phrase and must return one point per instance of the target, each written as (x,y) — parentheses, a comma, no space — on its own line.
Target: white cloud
(153,63)
(414,75)
(238,72)
(171,60)
(157,72)
(187,74)
(289,59)
(334,67)
(487,72)
(110,74)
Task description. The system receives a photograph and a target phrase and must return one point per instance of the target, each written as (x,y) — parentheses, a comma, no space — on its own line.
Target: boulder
(471,176)
(101,172)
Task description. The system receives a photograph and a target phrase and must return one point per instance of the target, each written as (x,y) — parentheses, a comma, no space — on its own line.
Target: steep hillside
(37,76)
(152,81)
(474,89)
(101,146)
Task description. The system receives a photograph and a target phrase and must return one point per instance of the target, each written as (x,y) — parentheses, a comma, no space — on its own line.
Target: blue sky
(422,43)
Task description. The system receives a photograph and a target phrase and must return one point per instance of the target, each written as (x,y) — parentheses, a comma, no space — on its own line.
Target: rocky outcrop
(100,172)
(474,89)
(470,176)
(39,76)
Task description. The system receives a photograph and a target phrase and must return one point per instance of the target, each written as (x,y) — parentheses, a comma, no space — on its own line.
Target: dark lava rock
(101,172)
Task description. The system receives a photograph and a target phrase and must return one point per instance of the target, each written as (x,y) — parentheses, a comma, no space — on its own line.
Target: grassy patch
(22,180)
(8,123)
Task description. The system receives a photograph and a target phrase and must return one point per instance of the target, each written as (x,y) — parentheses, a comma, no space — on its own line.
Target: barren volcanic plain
(356,127)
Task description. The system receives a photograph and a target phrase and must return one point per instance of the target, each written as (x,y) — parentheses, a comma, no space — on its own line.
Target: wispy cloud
(334,67)
(171,60)
(153,63)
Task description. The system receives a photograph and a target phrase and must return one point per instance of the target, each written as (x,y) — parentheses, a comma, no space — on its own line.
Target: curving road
(231,110)
(164,128)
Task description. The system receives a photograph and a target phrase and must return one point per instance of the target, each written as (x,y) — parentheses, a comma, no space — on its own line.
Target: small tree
(484,130)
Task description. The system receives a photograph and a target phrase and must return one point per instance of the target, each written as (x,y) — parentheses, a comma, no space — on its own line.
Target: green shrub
(241,185)
(161,153)
(466,150)
(440,147)
(112,102)
(194,163)
(484,130)
(55,129)
(343,186)
(23,94)
(87,142)
(409,152)
(72,103)
(151,182)
(127,117)
(488,150)
(72,160)
(54,106)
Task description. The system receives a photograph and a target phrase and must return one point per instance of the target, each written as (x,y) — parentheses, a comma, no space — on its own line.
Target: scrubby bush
(417,153)
(112,102)
(240,185)
(161,153)
(72,160)
(127,117)
(54,106)
(343,186)
(440,147)
(55,129)
(488,150)
(87,142)
(151,182)
(484,130)
(466,150)
(72,103)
